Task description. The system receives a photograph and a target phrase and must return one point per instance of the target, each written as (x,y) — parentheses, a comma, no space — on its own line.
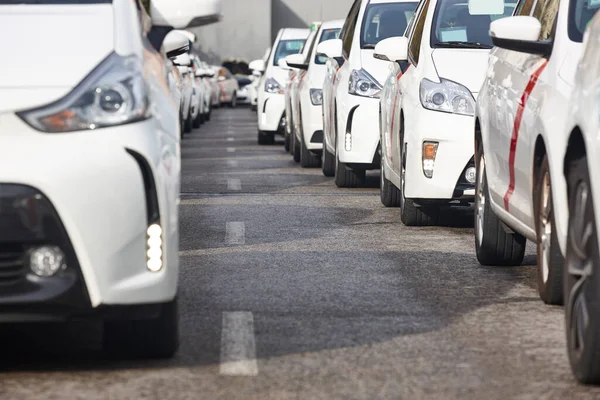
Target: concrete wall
(250,26)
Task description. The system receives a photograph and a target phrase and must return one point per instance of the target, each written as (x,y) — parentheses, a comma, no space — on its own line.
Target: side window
(546,12)
(414,45)
(347,34)
(525,7)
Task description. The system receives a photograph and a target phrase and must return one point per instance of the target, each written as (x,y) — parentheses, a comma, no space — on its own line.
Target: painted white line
(234,184)
(238,345)
(231,149)
(232,163)
(230,139)
(235,233)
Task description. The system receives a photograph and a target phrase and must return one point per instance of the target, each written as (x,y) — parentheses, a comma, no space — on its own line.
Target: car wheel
(493,245)
(265,138)
(549,257)
(188,124)
(308,159)
(390,195)
(197,121)
(152,338)
(286,141)
(296,148)
(328,163)
(581,278)
(410,213)
(346,177)
(233,102)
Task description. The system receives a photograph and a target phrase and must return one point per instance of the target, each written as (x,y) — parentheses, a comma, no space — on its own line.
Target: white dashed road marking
(235,233)
(234,184)
(238,345)
(230,139)
(232,163)
(231,149)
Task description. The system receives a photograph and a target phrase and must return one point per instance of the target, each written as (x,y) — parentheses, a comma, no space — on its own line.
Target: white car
(582,247)
(520,140)
(427,147)
(351,142)
(205,90)
(308,100)
(257,67)
(94,230)
(271,100)
(183,63)
(243,93)
(228,87)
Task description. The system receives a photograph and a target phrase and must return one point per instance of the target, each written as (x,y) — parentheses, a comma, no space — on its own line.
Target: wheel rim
(480,201)
(579,267)
(545,226)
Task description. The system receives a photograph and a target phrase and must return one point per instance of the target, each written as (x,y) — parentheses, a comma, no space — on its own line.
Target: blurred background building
(249,27)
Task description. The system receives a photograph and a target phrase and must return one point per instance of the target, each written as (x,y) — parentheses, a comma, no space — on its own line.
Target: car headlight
(316,97)
(361,83)
(272,86)
(115,93)
(447,96)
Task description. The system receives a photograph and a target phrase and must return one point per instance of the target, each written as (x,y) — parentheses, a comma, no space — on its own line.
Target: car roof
(294,33)
(338,23)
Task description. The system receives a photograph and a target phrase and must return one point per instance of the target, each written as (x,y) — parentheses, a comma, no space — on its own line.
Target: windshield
(580,15)
(383,21)
(454,26)
(327,34)
(287,47)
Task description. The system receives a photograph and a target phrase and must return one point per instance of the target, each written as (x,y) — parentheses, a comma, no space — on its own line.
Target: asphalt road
(293,289)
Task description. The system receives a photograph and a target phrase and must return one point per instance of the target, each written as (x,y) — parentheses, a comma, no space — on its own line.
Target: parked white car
(520,138)
(205,90)
(183,65)
(307,103)
(257,67)
(271,100)
(95,231)
(228,87)
(582,247)
(351,142)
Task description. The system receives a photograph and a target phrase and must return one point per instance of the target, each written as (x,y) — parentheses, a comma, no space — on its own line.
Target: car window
(287,47)
(347,34)
(382,21)
(525,8)
(453,24)
(546,12)
(326,34)
(414,45)
(581,13)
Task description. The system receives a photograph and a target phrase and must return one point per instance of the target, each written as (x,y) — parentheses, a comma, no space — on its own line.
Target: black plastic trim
(152,205)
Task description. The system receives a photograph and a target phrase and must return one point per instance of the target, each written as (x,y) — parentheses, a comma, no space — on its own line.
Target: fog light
(154,249)
(46,260)
(429,154)
(348,146)
(471,174)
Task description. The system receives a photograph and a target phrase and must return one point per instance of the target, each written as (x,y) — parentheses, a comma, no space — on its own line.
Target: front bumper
(92,188)
(312,125)
(454,133)
(361,130)
(270,112)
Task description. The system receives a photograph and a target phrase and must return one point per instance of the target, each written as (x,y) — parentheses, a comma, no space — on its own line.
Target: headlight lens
(115,93)
(447,96)
(316,97)
(361,83)
(272,86)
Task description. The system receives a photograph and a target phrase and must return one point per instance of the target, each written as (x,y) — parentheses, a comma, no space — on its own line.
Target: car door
(521,80)
(408,85)
(342,76)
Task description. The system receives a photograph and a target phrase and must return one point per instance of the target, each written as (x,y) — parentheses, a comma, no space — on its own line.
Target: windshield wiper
(467,45)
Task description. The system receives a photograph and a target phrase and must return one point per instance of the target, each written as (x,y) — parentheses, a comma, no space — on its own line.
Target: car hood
(52,48)
(464,66)
(378,69)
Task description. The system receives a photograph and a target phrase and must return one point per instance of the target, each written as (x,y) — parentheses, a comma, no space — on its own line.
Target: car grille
(12,263)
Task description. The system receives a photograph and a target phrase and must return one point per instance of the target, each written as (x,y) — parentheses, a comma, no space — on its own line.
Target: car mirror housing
(175,44)
(394,49)
(330,48)
(183,14)
(519,33)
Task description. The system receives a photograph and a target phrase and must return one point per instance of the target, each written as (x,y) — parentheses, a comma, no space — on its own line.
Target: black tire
(208,114)
(197,121)
(582,297)
(152,338)
(327,163)
(286,141)
(188,124)
(346,177)
(549,263)
(308,159)
(390,195)
(265,138)
(493,244)
(296,148)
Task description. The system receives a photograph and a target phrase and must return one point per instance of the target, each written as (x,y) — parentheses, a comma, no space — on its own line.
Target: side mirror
(394,49)
(257,65)
(330,48)
(519,33)
(183,60)
(191,36)
(296,61)
(183,14)
(282,64)
(175,44)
